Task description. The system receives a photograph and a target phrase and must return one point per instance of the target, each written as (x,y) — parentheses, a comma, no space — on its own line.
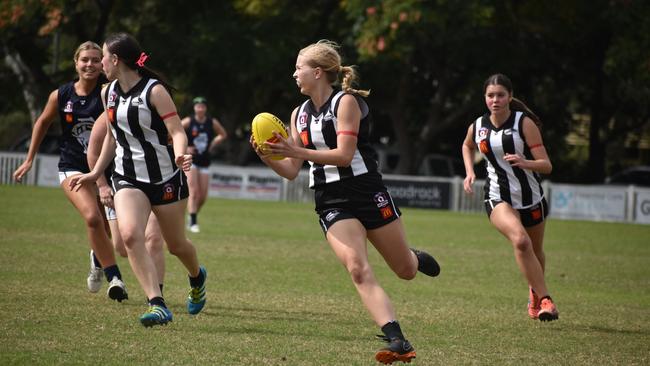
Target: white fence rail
(567,201)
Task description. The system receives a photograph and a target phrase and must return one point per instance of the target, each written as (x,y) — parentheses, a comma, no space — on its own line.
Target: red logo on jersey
(386,212)
(168,192)
(68,117)
(304,136)
(483,146)
(536,214)
(111,115)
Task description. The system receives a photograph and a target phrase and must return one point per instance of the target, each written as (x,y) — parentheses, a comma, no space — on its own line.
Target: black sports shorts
(530,216)
(363,197)
(173,190)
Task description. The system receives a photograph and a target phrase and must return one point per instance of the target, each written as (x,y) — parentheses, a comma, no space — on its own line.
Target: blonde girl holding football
(148,174)
(509,138)
(330,130)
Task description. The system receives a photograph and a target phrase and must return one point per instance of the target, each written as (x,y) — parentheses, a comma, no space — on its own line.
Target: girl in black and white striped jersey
(330,130)
(510,140)
(148,173)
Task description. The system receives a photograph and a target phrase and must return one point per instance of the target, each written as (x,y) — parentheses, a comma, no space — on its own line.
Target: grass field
(278,296)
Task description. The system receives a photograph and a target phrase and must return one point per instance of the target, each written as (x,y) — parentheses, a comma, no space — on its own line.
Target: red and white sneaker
(533,304)
(548,310)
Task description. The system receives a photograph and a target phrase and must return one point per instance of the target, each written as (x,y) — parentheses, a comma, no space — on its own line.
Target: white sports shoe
(195,228)
(95,276)
(117,290)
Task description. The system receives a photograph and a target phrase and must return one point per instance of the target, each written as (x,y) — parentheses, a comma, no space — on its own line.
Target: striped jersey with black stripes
(143,151)
(521,188)
(318,130)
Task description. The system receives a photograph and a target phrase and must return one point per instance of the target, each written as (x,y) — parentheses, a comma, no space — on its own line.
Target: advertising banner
(596,203)
(415,193)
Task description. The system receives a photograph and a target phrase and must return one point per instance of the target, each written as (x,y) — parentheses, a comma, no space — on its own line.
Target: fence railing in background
(567,201)
(9,162)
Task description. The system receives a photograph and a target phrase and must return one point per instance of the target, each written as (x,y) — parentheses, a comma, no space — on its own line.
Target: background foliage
(582,65)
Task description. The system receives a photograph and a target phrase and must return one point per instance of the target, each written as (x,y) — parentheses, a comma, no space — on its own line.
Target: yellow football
(262,127)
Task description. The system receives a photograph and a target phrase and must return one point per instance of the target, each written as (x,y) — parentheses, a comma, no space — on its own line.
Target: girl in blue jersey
(330,130)
(204,134)
(509,138)
(78,105)
(148,144)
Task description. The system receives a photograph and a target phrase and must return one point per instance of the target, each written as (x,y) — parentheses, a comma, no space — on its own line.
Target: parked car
(636,175)
(432,164)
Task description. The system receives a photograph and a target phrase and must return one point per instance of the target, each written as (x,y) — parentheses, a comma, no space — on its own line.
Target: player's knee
(406,272)
(178,248)
(94,220)
(130,237)
(521,242)
(359,272)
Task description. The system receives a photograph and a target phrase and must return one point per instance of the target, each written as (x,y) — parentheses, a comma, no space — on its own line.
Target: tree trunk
(31,91)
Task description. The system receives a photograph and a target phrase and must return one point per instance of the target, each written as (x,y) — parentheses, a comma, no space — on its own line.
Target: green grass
(278,296)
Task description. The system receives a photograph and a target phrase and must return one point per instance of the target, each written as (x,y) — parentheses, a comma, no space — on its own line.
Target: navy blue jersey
(77,115)
(200,135)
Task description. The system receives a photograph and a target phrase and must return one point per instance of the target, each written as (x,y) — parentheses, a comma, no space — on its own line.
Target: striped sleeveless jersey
(143,152)
(521,188)
(317,130)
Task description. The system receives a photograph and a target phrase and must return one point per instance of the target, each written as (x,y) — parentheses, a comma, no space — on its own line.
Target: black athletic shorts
(530,216)
(363,197)
(173,190)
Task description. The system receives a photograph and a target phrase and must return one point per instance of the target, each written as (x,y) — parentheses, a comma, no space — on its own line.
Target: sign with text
(245,183)
(642,207)
(425,194)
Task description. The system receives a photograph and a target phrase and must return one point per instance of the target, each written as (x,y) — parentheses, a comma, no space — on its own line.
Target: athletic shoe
(533,304)
(117,290)
(397,350)
(156,315)
(195,228)
(196,298)
(95,276)
(548,310)
(426,263)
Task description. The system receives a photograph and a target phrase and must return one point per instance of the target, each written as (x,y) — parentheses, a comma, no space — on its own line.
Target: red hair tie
(142,59)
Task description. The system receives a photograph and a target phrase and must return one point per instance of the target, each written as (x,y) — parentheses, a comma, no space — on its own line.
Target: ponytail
(518,105)
(349,78)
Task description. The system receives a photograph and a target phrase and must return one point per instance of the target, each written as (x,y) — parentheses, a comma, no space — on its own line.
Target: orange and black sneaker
(533,304)
(547,311)
(398,349)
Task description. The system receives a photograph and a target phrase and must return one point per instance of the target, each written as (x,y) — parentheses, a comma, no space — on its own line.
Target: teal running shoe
(196,298)
(156,315)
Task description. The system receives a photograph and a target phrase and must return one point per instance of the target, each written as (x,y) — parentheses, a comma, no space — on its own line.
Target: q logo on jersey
(168,192)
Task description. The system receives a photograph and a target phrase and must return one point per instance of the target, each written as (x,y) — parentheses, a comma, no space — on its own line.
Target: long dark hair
(127,49)
(515,104)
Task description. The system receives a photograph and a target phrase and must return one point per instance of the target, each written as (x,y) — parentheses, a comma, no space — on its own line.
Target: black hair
(127,49)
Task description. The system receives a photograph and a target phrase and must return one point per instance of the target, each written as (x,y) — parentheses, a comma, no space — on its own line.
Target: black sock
(546,297)
(193,219)
(392,330)
(198,280)
(112,271)
(157,301)
(96,261)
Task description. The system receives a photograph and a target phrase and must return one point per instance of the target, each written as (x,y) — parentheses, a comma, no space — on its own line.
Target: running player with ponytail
(149,171)
(509,138)
(330,130)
